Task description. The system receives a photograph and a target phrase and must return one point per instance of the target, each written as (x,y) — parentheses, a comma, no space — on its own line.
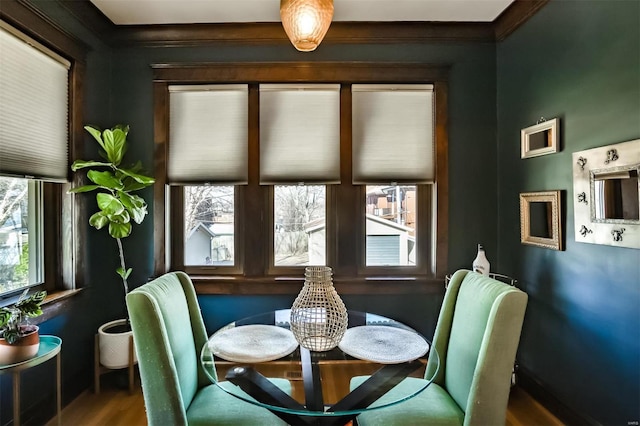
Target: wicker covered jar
(318,315)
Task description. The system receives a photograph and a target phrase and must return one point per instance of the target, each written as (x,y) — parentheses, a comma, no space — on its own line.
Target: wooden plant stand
(99,369)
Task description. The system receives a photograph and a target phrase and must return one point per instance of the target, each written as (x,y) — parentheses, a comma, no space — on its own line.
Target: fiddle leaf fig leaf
(81,164)
(96,133)
(85,188)
(105,179)
(124,274)
(136,206)
(119,230)
(98,220)
(109,204)
(138,177)
(114,144)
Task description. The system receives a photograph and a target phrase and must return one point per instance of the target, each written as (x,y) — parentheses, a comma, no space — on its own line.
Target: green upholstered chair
(168,333)
(476,337)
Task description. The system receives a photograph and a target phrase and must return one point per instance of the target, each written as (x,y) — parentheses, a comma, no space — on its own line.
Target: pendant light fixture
(306,21)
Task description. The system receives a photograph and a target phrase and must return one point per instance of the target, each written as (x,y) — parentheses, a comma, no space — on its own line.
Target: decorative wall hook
(541,120)
(617,234)
(612,155)
(582,198)
(584,231)
(582,162)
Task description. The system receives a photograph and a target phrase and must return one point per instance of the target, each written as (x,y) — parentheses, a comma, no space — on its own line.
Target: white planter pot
(114,346)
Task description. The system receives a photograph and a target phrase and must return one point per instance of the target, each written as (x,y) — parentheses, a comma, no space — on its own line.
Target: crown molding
(27,18)
(172,35)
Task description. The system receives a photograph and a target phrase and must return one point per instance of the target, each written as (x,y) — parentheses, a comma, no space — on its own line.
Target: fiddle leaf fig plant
(118,206)
(12,327)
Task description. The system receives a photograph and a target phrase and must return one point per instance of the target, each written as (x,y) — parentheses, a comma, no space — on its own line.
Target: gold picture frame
(540,219)
(539,139)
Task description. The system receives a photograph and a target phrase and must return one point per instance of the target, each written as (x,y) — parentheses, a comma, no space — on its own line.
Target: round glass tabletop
(258,360)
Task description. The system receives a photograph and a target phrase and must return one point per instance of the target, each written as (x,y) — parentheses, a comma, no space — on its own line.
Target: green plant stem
(122,264)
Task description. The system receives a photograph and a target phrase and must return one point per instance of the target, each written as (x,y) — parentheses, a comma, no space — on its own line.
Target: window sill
(373,285)
(54,304)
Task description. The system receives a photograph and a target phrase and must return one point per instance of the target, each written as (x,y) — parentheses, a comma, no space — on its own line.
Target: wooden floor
(115,406)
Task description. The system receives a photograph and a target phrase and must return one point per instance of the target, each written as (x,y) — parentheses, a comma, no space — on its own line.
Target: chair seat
(213,406)
(433,406)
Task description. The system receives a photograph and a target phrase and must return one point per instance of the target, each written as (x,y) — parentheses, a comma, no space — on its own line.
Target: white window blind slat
(208,134)
(393,133)
(34,91)
(299,133)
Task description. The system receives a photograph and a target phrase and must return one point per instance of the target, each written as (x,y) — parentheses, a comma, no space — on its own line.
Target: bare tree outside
(209,225)
(14,249)
(296,208)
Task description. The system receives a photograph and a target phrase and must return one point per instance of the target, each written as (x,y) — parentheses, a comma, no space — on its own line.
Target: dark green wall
(579,61)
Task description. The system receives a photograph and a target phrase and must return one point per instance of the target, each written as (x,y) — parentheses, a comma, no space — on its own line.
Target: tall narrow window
(34,141)
(299,149)
(393,152)
(208,154)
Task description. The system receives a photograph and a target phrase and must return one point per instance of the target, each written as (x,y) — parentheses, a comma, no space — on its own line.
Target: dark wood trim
(515,15)
(535,388)
(299,72)
(272,33)
(442,178)
(75,210)
(172,35)
(345,220)
(160,189)
(28,19)
(291,286)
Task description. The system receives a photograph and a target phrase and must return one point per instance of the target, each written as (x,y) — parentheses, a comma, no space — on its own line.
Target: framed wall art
(540,139)
(540,219)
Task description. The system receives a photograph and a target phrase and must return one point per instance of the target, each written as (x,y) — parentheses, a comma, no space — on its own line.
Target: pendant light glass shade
(306,21)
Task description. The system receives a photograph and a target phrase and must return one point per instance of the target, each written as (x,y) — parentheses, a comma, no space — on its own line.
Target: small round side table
(49,348)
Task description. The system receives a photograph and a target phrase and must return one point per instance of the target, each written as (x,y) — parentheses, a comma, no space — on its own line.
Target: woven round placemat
(252,343)
(383,344)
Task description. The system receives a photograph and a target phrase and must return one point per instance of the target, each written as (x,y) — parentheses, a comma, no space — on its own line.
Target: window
(36,216)
(209,225)
(21,260)
(299,233)
(323,186)
(391,225)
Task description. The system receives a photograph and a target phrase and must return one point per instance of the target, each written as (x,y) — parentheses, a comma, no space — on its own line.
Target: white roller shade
(299,133)
(208,134)
(34,97)
(393,133)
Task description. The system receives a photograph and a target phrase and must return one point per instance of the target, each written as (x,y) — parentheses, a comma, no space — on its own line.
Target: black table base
(264,391)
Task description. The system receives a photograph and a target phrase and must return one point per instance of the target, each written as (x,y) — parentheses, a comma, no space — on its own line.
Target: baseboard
(568,416)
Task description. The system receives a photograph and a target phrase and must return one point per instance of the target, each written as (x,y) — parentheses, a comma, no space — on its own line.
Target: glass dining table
(244,355)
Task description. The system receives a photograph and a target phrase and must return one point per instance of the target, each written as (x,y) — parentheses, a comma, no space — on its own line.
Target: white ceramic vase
(114,345)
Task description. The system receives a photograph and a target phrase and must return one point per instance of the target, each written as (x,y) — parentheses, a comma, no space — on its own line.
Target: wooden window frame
(345,248)
(63,214)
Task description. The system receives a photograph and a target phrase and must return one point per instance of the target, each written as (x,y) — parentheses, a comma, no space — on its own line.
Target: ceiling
(141,12)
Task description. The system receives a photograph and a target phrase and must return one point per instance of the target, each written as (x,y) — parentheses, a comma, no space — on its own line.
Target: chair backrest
(477,337)
(168,333)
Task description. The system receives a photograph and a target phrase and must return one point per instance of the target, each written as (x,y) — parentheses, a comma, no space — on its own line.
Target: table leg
(16,398)
(58,390)
(312,381)
(375,386)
